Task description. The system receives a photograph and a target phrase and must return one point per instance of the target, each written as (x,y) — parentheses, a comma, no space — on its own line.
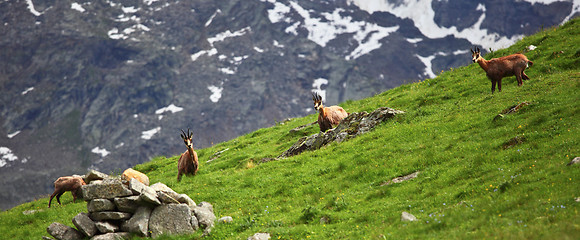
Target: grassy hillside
(473,182)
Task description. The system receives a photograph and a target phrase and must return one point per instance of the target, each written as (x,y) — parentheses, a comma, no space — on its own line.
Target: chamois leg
(493,82)
(524,76)
(499,85)
(58,198)
(179,176)
(51,196)
(519,78)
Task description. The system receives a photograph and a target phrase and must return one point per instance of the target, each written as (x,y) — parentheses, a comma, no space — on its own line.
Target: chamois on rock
(498,68)
(64,184)
(187,163)
(327,116)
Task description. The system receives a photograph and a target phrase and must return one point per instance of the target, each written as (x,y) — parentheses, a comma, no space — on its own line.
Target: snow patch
(317,87)
(423,15)
(6,156)
(171,108)
(100,151)
(11,135)
(27,90)
(78,7)
(227,71)
(212,17)
(428,66)
(532,47)
(32,10)
(147,135)
(414,40)
(216,93)
(257,49)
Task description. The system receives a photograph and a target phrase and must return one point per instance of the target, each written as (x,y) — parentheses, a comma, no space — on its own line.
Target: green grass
(469,186)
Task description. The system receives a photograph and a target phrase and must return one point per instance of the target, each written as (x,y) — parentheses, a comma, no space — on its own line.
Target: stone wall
(119,210)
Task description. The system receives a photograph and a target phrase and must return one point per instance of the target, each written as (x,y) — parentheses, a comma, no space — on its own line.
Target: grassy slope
(469,185)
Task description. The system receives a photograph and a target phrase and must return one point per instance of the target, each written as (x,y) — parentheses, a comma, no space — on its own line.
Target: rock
(194,222)
(108,189)
(63,232)
(325,220)
(94,175)
(183,198)
(351,126)
(127,204)
(131,173)
(103,216)
(514,141)
(405,216)
(260,236)
(226,219)
(84,224)
(161,187)
(166,199)
(401,179)
(205,216)
(577,199)
(106,227)
(46,238)
(170,219)
(576,160)
(139,222)
(112,236)
(30,212)
(100,205)
(147,194)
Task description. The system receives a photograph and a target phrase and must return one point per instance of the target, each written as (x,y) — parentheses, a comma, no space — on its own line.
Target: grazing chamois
(68,183)
(188,163)
(498,68)
(327,116)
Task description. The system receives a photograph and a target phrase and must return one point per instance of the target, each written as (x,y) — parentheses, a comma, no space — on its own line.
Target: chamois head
(317,101)
(187,138)
(475,54)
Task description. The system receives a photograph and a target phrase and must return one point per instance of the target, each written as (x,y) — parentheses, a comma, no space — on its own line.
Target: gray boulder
(576,160)
(106,227)
(139,222)
(226,219)
(146,193)
(63,232)
(405,216)
(183,198)
(108,189)
(84,224)
(104,216)
(112,236)
(260,236)
(170,219)
(94,175)
(205,216)
(100,205)
(353,125)
(166,199)
(127,204)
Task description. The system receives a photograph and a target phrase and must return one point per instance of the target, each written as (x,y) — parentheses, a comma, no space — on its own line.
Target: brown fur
(132,173)
(64,184)
(188,163)
(328,117)
(498,68)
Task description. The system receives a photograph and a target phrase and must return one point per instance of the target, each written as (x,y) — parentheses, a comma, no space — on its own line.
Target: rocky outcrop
(116,211)
(353,125)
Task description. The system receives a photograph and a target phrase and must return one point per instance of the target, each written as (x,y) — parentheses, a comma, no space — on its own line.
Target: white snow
(257,49)
(171,108)
(114,34)
(32,10)
(414,40)
(149,2)
(216,93)
(326,28)
(428,66)
(130,9)
(27,90)
(11,135)
(218,38)
(227,71)
(277,44)
(317,87)
(100,151)
(421,13)
(532,47)
(6,156)
(78,7)
(147,135)
(212,17)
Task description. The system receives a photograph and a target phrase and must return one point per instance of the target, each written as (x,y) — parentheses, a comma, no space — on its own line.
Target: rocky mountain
(109,84)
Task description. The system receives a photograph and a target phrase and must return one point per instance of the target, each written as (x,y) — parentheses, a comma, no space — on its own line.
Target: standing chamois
(187,163)
(64,184)
(498,68)
(327,116)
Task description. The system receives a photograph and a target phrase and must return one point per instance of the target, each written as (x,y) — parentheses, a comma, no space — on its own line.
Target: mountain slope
(474,181)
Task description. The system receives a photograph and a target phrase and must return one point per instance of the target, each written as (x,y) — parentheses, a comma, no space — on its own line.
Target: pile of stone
(118,210)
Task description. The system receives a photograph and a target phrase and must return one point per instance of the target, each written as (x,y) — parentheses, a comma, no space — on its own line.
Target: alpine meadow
(485,166)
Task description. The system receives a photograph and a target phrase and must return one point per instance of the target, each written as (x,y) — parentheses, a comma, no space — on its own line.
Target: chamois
(327,116)
(64,184)
(498,68)
(188,163)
